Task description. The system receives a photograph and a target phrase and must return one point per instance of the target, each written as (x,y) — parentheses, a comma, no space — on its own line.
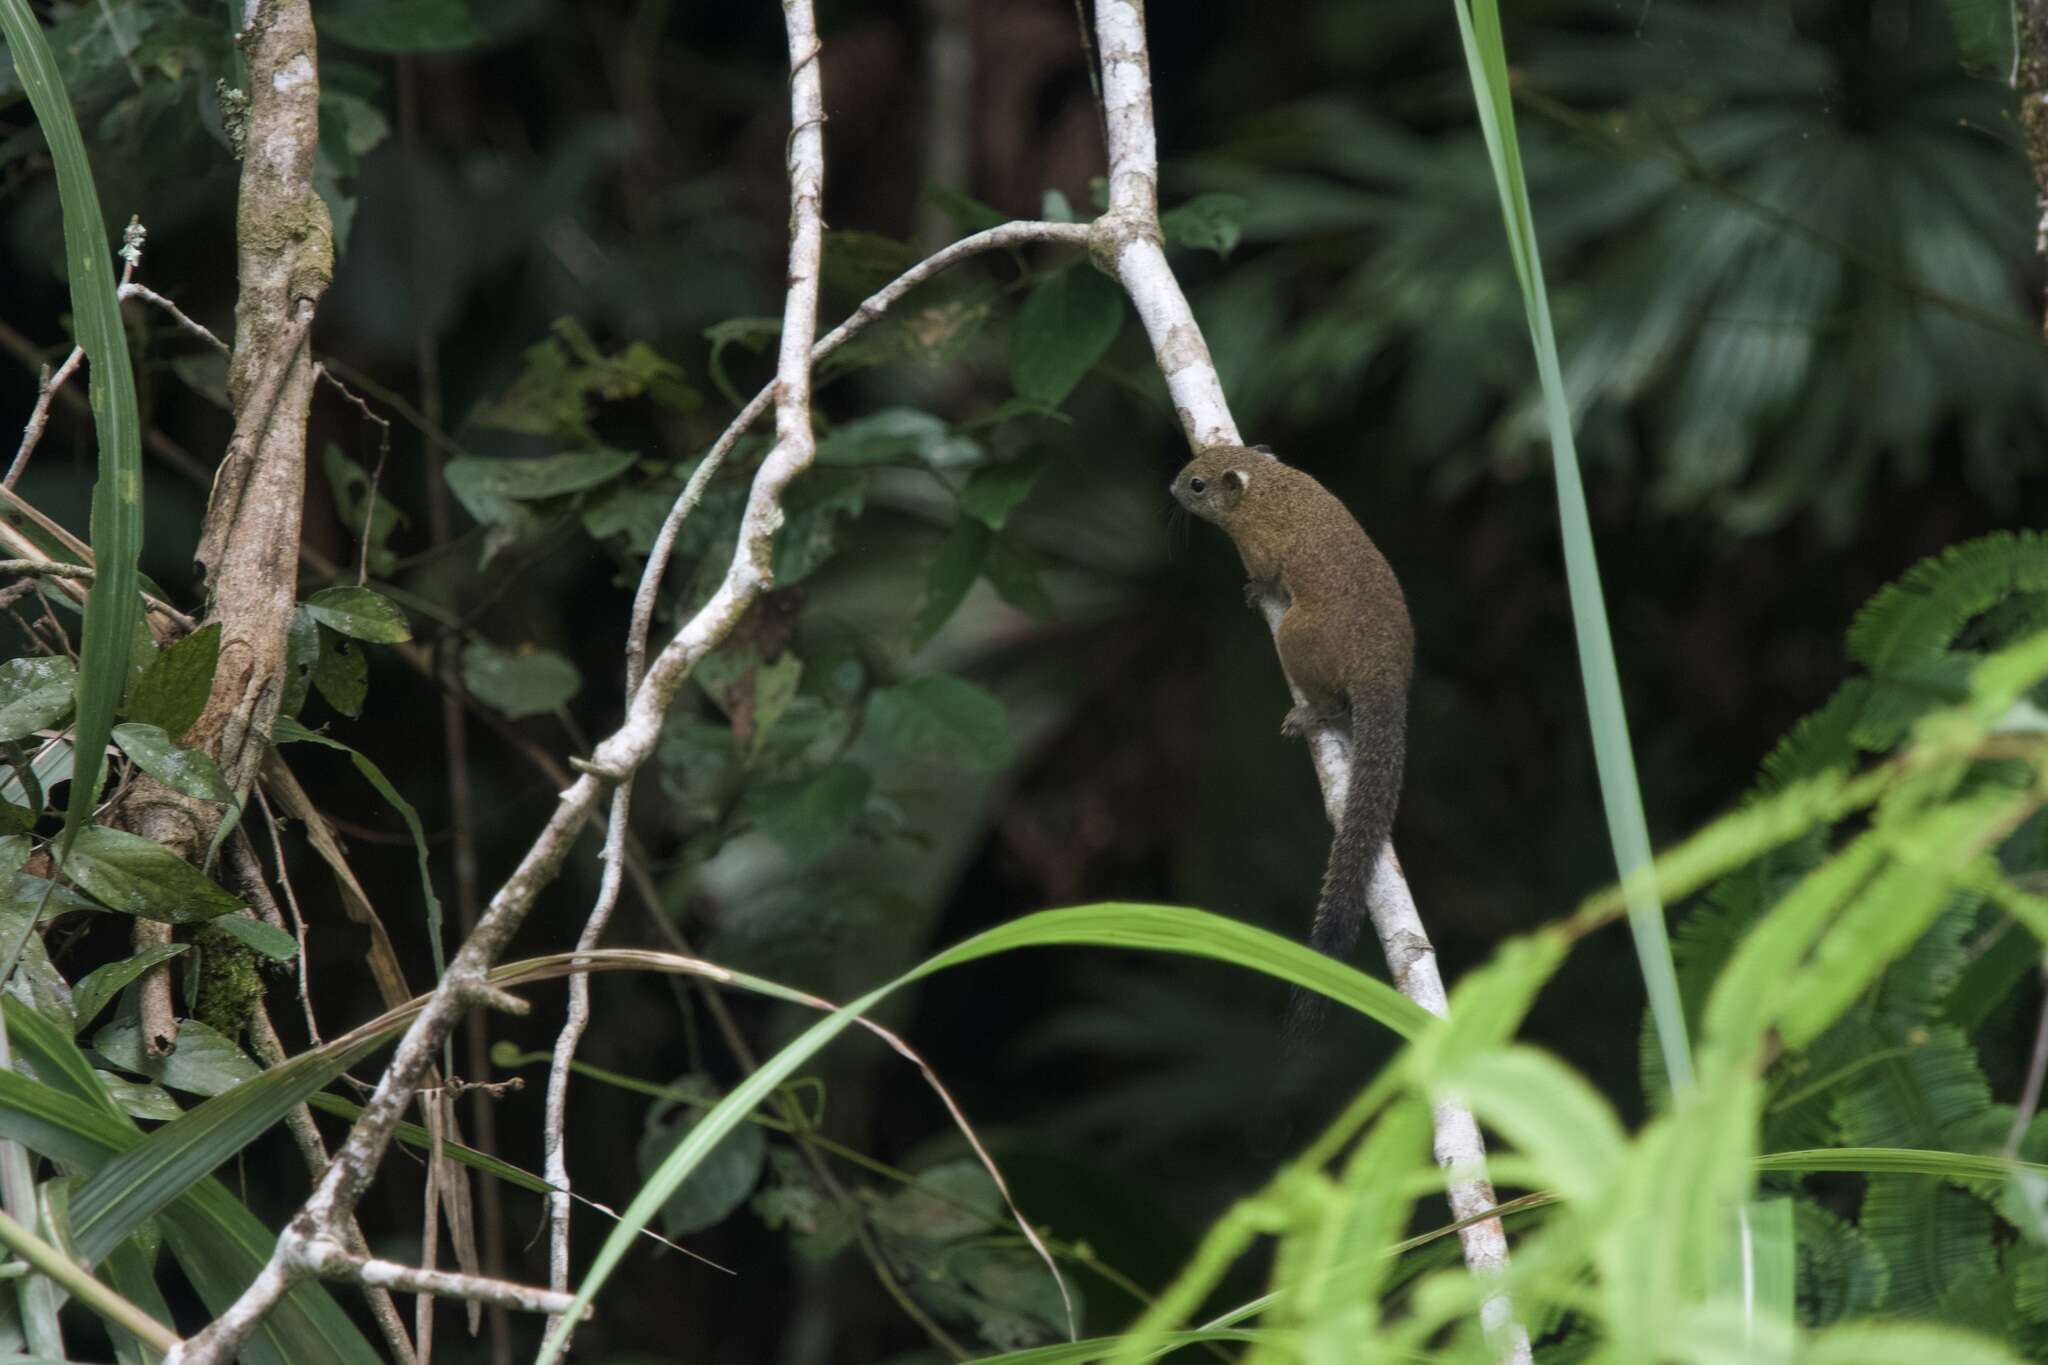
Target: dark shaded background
(1791,253)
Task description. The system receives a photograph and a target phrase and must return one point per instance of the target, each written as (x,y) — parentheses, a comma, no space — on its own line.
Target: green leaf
(1548,1111)
(288,731)
(342,673)
(205,1061)
(139,876)
(533,480)
(724,1179)
(525,682)
(942,719)
(301,657)
(219,1244)
(34,695)
(1121,925)
(969,214)
(400,25)
(140,1099)
(1062,330)
(104,982)
(267,939)
(1984,33)
(1016,573)
(775,687)
(895,435)
(112,605)
(811,514)
(1486,64)
(809,816)
(360,614)
(1903,1343)
(189,771)
(1207,222)
(174,688)
(752,334)
(994,491)
(370,517)
(953,571)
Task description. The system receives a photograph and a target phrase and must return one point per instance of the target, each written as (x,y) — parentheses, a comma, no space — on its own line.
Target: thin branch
(331,1260)
(1126,242)
(871,310)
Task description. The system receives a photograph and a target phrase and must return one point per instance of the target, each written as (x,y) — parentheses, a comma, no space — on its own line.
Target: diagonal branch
(1126,242)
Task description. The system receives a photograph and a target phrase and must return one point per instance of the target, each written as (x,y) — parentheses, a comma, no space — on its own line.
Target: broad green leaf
(994,491)
(725,1178)
(536,479)
(112,606)
(969,214)
(809,816)
(267,939)
(400,25)
(173,688)
(342,674)
(895,435)
(34,695)
(942,719)
(138,876)
(360,614)
(301,657)
(751,334)
(205,1061)
(953,571)
(811,514)
(1062,330)
(16,819)
(140,1099)
(775,687)
(1208,222)
(104,982)
(524,682)
(1547,1111)
(184,770)
(1984,33)
(1121,925)
(1015,572)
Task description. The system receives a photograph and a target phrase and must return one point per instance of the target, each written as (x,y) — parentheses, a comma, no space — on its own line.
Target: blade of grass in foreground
(1113,925)
(112,606)
(1486,62)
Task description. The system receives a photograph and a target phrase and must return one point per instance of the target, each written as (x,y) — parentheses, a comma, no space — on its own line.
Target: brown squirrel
(1345,642)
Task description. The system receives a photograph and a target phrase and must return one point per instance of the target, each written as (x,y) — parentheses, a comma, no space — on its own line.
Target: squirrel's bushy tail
(1379,728)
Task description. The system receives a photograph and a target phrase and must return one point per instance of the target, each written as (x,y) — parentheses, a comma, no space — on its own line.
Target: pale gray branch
(1126,242)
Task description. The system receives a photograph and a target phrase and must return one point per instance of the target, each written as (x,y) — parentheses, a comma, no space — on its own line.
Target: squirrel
(1346,644)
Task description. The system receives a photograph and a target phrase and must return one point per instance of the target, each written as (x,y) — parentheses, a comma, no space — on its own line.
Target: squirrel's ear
(1237,479)
(1266,451)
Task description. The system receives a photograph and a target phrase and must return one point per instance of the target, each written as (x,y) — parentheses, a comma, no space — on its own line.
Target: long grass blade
(1110,925)
(1486,63)
(112,607)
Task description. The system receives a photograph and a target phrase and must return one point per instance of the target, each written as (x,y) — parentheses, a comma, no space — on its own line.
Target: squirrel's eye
(1196,485)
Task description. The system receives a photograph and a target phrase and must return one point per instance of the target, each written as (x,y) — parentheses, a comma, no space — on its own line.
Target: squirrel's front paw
(1297,722)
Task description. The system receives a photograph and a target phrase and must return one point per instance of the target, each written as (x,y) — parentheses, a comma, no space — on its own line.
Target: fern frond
(1916,618)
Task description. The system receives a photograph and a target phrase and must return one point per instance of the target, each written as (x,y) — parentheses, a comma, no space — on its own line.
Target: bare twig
(1126,242)
(871,310)
(332,1260)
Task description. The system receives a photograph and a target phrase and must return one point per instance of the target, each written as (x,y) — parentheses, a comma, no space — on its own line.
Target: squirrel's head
(1216,483)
